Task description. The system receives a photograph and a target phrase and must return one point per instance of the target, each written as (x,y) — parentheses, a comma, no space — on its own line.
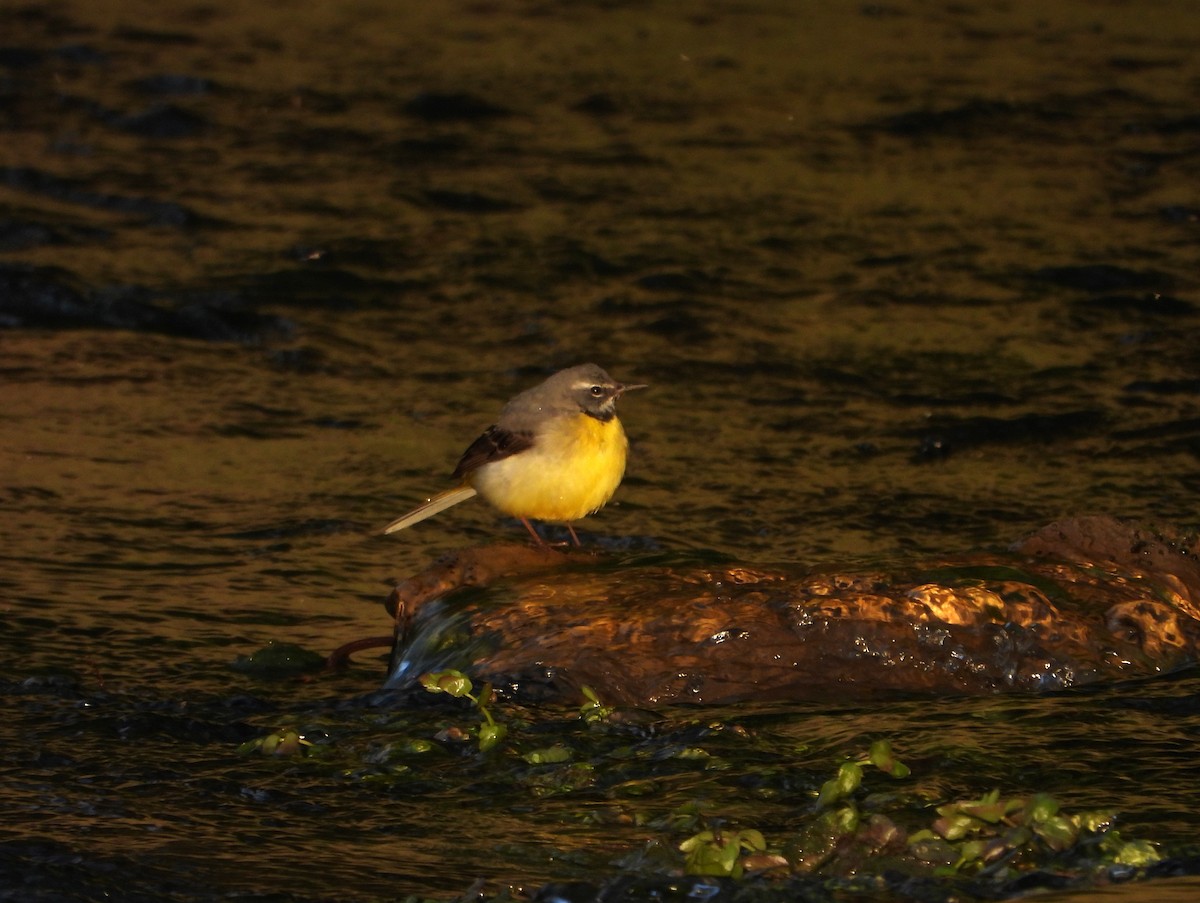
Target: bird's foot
(543,544)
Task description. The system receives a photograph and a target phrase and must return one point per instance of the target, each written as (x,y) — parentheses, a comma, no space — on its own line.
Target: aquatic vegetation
(991,837)
(717,852)
(279,660)
(593,711)
(456,684)
(1001,835)
(283,742)
(713,800)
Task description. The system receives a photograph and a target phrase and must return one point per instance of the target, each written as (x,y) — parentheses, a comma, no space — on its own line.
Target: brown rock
(1079,601)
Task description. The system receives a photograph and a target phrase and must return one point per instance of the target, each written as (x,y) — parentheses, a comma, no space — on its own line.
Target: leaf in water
(1057,832)
(1097,821)
(818,843)
(547,756)
(283,742)
(971,851)
(490,735)
(720,852)
(1041,808)
(752,840)
(703,855)
(881,757)
(453,683)
(279,660)
(990,808)
(844,783)
(1137,853)
(955,825)
(593,710)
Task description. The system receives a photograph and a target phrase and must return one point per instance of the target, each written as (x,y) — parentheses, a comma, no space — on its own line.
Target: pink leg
(532,532)
(541,542)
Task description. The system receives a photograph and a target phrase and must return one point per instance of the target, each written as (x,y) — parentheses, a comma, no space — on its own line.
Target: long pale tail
(439,502)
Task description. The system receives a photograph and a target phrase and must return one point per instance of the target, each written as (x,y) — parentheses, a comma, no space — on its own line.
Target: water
(905,281)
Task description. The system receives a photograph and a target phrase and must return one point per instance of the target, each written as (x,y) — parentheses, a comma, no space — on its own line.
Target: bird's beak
(621,390)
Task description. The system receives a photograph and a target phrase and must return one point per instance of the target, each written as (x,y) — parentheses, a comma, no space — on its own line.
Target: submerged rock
(1079,601)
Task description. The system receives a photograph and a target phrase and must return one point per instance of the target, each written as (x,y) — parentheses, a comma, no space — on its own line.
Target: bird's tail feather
(439,502)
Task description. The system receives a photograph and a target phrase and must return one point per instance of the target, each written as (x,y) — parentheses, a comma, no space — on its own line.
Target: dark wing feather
(493,445)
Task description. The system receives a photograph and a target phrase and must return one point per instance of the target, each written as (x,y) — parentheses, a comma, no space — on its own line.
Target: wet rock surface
(1079,601)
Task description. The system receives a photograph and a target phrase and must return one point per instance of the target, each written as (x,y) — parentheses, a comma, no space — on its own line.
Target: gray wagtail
(556,453)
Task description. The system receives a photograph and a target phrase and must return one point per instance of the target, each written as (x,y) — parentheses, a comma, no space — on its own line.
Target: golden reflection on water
(806,290)
(809,228)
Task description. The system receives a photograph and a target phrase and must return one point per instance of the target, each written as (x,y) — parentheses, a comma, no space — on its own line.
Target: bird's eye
(597,391)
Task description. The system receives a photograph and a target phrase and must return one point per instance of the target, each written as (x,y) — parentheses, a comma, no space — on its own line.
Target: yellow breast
(572,470)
